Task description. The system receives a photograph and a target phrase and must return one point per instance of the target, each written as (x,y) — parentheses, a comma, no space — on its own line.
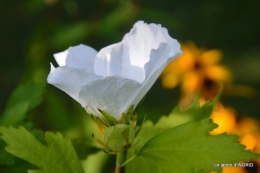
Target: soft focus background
(221,42)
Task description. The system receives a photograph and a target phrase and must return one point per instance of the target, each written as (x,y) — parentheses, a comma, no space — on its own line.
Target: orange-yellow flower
(249,131)
(225,118)
(196,70)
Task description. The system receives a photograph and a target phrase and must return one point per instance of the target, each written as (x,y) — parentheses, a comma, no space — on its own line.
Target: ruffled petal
(70,80)
(112,94)
(80,56)
(109,60)
(159,59)
(139,42)
(130,71)
(174,45)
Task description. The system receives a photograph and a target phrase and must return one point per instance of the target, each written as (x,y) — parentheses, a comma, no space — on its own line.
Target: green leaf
(8,159)
(189,147)
(59,156)
(23,99)
(194,113)
(30,93)
(95,163)
(14,114)
(176,117)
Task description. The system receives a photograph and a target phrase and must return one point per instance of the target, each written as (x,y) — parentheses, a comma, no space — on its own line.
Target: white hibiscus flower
(119,75)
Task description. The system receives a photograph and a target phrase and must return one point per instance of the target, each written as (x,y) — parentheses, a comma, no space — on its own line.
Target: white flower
(118,76)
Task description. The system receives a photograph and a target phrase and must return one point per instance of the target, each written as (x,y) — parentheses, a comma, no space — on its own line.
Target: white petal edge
(138,43)
(108,61)
(70,80)
(80,56)
(159,59)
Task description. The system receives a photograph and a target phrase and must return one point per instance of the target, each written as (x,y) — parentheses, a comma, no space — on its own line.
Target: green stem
(130,159)
(119,160)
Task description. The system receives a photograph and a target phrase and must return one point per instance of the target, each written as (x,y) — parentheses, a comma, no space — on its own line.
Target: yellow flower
(249,131)
(225,118)
(196,70)
(246,128)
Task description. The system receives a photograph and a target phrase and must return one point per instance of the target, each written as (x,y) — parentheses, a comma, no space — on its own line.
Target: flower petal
(61,57)
(159,59)
(211,57)
(140,41)
(70,80)
(108,60)
(112,94)
(129,71)
(80,56)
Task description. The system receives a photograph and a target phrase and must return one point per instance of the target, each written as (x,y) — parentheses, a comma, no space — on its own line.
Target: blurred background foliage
(31,31)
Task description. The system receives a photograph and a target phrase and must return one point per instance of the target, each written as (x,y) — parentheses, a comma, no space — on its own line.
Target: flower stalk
(120,157)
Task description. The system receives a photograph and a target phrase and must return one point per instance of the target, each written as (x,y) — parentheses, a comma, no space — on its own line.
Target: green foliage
(176,117)
(22,100)
(189,147)
(99,160)
(59,156)
(194,113)
(182,138)
(15,114)
(30,93)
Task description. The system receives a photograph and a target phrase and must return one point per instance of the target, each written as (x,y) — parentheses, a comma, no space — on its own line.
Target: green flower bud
(118,138)
(117,135)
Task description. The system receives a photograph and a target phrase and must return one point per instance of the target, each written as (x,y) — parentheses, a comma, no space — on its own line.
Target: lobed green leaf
(177,116)
(59,156)
(23,99)
(188,148)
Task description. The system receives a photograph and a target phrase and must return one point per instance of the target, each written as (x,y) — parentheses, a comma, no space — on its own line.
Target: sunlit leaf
(176,117)
(59,156)
(23,99)
(188,147)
